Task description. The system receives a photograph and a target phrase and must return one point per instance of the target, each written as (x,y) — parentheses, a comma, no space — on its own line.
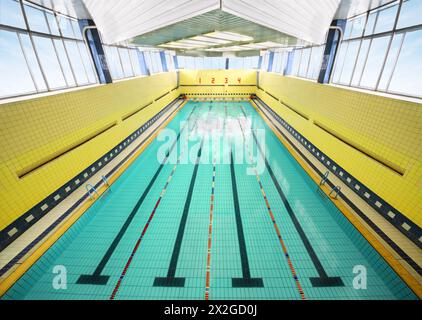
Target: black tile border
(29,218)
(368,221)
(392,215)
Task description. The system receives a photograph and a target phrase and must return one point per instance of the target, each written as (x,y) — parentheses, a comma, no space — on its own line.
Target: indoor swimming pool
(227,213)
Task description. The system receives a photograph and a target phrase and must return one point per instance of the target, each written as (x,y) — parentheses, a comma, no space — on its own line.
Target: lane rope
(138,242)
(277,230)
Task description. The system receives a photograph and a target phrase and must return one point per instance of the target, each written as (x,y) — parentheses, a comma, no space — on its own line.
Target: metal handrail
(89,188)
(324,179)
(337,190)
(105,180)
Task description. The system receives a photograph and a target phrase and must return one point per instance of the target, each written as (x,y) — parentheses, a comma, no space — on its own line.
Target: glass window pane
(148,62)
(391,61)
(199,63)
(349,62)
(127,67)
(407,77)
(76,61)
(170,62)
(49,62)
(410,13)
(296,62)
(190,63)
(348,29)
(142,63)
(358,25)
(66,27)
(339,62)
(363,52)
(15,77)
(386,19)
(36,19)
(52,22)
(153,62)
(181,62)
(76,29)
(369,29)
(114,63)
(374,62)
(135,61)
(207,63)
(304,61)
(64,62)
(33,62)
(315,63)
(86,59)
(11,14)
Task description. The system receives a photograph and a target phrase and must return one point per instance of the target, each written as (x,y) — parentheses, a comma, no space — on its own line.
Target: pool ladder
(92,190)
(336,189)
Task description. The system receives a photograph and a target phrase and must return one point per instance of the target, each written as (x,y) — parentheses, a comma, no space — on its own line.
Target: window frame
(395,31)
(26,30)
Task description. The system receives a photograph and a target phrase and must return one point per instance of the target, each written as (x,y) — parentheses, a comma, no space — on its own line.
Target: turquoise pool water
(210,226)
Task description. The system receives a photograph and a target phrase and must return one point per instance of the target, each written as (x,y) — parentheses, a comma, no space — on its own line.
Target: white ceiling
(73,8)
(122,20)
(303,19)
(350,8)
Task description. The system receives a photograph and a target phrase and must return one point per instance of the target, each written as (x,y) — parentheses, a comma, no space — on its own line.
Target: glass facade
(381,50)
(45,54)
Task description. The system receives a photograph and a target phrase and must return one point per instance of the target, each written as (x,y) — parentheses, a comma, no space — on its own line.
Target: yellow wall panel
(218,83)
(37,129)
(389,129)
(217,77)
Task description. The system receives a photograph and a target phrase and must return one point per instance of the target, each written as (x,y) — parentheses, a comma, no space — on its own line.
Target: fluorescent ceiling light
(228,49)
(211,40)
(229,36)
(194,43)
(263,45)
(270,44)
(177,45)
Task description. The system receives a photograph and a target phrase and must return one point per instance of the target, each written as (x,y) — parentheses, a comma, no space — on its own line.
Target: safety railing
(336,191)
(324,179)
(91,190)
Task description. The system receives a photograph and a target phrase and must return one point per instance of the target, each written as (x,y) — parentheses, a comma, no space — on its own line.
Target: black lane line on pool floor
(171,280)
(97,278)
(246,281)
(323,280)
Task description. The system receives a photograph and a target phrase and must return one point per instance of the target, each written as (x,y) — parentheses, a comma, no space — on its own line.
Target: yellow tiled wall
(387,128)
(217,83)
(35,129)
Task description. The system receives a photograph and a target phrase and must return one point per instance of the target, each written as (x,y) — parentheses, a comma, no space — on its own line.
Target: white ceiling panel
(350,8)
(73,8)
(120,20)
(304,19)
